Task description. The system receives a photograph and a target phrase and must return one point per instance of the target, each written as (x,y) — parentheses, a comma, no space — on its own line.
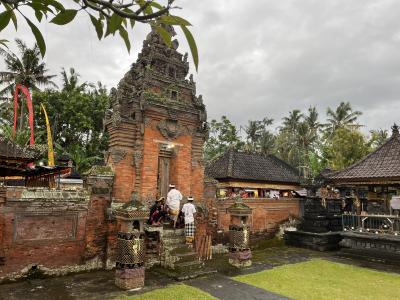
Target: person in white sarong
(189,210)
(173,203)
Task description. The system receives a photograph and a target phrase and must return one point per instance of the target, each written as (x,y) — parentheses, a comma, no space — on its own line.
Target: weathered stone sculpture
(130,248)
(239,235)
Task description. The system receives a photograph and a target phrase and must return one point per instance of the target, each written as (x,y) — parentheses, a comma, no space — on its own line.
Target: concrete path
(223,288)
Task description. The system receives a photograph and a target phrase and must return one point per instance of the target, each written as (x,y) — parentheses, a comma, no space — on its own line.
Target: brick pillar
(99,182)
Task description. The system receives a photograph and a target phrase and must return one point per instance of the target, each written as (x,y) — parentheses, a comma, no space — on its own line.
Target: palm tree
(312,119)
(266,143)
(27,70)
(292,121)
(253,132)
(343,117)
(378,137)
(70,81)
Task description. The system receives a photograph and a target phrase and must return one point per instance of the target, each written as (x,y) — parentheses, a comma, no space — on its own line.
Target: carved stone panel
(118,155)
(170,129)
(52,226)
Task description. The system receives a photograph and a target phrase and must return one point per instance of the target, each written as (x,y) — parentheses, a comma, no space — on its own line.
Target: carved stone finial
(395,129)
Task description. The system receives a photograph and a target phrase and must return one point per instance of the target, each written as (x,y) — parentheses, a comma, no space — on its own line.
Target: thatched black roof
(251,167)
(381,164)
(11,150)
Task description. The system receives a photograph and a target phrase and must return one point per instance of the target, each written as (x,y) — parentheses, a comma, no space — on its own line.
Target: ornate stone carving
(170,129)
(137,158)
(118,155)
(147,121)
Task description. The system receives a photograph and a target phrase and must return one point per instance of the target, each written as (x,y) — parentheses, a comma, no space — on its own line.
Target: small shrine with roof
(371,185)
(157,126)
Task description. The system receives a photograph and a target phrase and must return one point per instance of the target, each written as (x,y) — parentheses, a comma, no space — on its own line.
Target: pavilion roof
(251,167)
(13,151)
(381,164)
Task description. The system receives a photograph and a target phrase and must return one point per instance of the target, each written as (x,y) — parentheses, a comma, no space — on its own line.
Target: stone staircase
(178,257)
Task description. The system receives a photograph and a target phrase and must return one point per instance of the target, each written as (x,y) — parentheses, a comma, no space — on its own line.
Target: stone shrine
(157,126)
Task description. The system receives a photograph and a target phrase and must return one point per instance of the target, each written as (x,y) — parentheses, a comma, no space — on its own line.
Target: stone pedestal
(129,279)
(240,259)
(239,235)
(130,248)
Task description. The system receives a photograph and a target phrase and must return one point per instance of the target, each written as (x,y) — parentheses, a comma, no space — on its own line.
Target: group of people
(170,210)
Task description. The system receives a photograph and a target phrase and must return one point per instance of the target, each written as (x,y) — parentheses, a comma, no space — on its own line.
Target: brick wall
(186,170)
(266,215)
(264,221)
(56,231)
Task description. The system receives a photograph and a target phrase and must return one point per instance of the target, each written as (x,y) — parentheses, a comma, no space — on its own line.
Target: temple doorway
(164,170)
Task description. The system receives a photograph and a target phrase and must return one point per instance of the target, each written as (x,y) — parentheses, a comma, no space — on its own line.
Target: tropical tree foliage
(345,147)
(107,17)
(26,69)
(378,137)
(303,140)
(258,137)
(342,117)
(76,114)
(223,134)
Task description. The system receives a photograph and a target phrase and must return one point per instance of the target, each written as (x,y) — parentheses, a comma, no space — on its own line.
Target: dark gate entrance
(164,166)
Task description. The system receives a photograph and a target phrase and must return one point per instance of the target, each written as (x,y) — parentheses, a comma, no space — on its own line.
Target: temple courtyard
(278,272)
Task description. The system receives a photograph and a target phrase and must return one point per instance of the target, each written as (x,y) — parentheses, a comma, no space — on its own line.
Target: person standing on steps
(173,203)
(189,211)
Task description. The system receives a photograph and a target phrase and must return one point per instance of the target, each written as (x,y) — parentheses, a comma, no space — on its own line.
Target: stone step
(173,241)
(187,257)
(173,232)
(189,265)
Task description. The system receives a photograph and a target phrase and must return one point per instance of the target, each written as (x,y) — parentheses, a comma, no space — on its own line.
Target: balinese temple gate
(157,126)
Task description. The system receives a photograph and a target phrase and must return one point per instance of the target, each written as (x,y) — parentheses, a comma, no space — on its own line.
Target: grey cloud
(263,58)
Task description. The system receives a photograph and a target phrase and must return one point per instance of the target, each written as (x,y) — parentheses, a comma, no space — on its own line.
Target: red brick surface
(266,215)
(52,233)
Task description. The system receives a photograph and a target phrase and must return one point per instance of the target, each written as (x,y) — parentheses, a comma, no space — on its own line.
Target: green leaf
(114,23)
(14,19)
(164,35)
(57,5)
(148,10)
(4,42)
(98,25)
(132,21)
(38,36)
(64,17)
(5,17)
(38,15)
(124,34)
(174,20)
(192,45)
(157,5)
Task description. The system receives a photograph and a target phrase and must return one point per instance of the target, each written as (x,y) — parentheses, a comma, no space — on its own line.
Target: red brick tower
(157,126)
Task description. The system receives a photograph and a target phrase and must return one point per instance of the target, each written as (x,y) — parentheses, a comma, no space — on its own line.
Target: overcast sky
(261,57)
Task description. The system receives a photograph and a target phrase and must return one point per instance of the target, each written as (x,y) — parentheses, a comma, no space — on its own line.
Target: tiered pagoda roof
(252,167)
(381,165)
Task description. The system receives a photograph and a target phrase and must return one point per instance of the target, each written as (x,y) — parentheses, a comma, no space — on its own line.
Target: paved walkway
(223,288)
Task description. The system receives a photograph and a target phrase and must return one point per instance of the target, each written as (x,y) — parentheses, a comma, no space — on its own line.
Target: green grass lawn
(320,279)
(173,292)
